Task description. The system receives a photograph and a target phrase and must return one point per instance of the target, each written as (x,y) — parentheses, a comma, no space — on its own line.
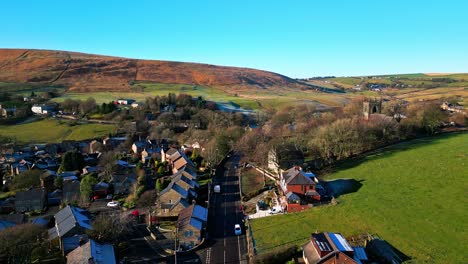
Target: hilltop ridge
(88,73)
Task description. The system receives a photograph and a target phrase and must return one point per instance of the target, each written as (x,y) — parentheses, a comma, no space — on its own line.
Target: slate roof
(67,218)
(92,252)
(295,176)
(34,194)
(173,186)
(169,206)
(194,215)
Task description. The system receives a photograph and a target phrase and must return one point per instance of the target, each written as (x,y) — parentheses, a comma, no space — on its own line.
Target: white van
(217,188)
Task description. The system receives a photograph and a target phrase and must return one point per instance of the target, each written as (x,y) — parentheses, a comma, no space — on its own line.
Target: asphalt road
(226,247)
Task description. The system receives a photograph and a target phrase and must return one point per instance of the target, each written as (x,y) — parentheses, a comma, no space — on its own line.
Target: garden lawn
(46,131)
(251,180)
(413,195)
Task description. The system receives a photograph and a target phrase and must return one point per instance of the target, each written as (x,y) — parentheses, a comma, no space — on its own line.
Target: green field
(251,180)
(414,195)
(46,131)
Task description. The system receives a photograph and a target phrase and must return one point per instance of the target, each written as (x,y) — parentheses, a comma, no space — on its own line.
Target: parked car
(276,210)
(237,230)
(113,204)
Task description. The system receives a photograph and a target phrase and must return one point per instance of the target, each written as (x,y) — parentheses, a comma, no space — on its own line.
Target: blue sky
(298,38)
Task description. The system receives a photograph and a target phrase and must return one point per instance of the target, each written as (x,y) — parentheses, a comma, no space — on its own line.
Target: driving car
(113,204)
(237,230)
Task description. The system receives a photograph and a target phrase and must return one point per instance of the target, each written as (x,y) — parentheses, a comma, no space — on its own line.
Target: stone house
(30,200)
(191,225)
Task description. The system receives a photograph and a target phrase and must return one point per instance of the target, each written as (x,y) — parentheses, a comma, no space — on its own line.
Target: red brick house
(332,248)
(299,185)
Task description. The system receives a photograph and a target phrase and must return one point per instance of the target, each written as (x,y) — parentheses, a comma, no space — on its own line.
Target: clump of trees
(86,186)
(339,133)
(22,244)
(111,228)
(26,179)
(71,161)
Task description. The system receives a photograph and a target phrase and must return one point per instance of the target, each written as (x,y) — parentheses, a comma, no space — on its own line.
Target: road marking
(208,256)
(238,246)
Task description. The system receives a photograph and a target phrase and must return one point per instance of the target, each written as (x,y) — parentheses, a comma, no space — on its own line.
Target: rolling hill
(91,73)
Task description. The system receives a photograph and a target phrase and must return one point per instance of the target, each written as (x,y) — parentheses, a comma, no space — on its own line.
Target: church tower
(371,106)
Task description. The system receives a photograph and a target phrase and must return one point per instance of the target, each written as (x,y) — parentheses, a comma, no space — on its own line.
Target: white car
(276,210)
(113,204)
(237,230)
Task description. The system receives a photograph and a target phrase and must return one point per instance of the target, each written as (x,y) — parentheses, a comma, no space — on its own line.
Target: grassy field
(251,180)
(414,195)
(252,99)
(46,131)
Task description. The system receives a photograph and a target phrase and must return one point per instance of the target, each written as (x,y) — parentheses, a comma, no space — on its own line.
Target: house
(91,169)
(453,108)
(331,248)
(7,206)
(95,146)
(113,141)
(101,189)
(71,191)
(43,109)
(92,253)
(18,167)
(173,208)
(47,180)
(149,153)
(68,175)
(123,101)
(70,223)
(185,180)
(173,199)
(122,183)
(297,183)
(191,224)
(55,197)
(30,200)
(7,112)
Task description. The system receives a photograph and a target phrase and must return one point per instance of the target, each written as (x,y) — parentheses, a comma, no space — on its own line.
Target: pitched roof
(194,215)
(297,177)
(92,252)
(173,186)
(171,151)
(33,194)
(67,218)
(179,176)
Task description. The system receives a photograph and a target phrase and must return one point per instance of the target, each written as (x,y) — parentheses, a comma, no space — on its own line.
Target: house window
(170,201)
(187,233)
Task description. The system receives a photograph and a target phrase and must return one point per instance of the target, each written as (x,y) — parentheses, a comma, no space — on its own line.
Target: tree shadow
(381,251)
(338,187)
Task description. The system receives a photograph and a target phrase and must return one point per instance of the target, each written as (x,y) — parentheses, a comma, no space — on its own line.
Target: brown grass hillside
(86,72)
